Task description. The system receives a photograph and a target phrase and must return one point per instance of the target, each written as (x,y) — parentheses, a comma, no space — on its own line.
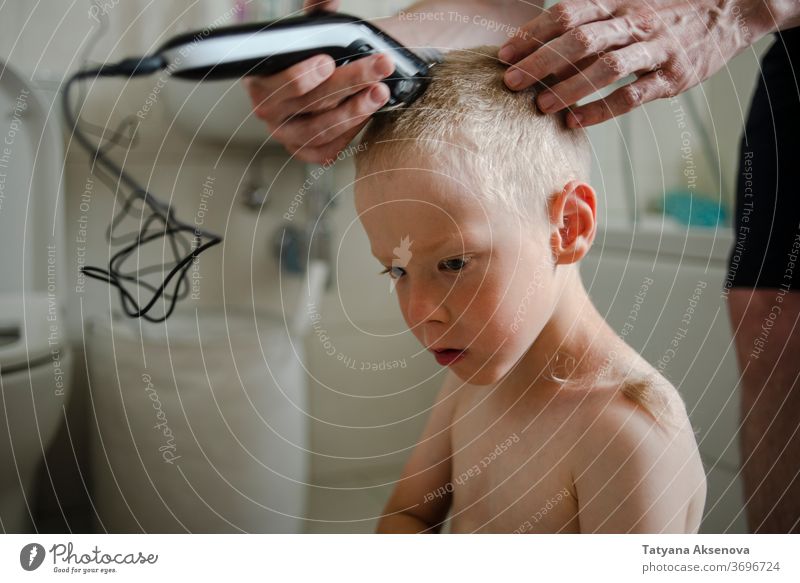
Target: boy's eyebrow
(465,240)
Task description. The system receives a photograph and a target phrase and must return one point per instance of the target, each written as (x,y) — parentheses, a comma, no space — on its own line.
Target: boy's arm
(420,500)
(632,477)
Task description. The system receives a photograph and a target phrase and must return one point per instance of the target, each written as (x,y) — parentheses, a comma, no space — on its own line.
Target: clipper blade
(429,55)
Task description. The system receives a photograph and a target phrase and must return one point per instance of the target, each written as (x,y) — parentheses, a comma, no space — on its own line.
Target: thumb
(321,5)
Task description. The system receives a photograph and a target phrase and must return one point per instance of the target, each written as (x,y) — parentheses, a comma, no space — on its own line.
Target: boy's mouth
(447,356)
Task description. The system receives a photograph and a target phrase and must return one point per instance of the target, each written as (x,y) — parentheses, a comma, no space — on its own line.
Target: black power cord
(159,223)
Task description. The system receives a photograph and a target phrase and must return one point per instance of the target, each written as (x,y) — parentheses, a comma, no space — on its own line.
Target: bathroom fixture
(200,424)
(35,361)
(35,371)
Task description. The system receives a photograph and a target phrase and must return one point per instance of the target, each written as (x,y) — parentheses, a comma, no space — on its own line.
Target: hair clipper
(265,48)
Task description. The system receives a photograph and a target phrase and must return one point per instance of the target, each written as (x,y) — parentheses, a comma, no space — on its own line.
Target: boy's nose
(424,304)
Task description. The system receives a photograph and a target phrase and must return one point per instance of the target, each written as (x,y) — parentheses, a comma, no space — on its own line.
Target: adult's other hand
(669,45)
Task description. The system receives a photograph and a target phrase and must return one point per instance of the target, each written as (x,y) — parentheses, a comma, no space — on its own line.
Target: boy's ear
(573,222)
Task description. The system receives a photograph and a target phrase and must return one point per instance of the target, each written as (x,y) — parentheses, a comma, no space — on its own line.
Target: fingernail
(382,66)
(546,101)
(506,53)
(325,67)
(514,78)
(378,94)
(576,119)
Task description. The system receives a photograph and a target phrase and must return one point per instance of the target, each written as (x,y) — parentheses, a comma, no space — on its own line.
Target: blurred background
(285,393)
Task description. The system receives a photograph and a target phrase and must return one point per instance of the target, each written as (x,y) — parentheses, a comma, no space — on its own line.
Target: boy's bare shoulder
(641,404)
(626,385)
(627,456)
(637,399)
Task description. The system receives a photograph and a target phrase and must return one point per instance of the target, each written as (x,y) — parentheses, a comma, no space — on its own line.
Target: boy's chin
(485,376)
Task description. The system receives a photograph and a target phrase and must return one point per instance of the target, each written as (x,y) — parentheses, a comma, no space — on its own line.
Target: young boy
(547,422)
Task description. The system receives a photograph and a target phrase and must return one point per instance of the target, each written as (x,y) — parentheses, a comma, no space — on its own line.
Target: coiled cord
(159,223)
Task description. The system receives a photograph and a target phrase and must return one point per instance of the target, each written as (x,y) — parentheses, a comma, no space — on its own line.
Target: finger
(643,90)
(296,81)
(346,81)
(607,69)
(553,23)
(559,57)
(563,56)
(328,152)
(574,69)
(317,5)
(321,129)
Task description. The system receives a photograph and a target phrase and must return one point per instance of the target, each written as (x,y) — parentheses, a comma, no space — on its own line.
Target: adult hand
(669,45)
(313,5)
(315,108)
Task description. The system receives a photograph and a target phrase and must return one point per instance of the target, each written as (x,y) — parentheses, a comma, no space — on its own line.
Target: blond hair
(518,155)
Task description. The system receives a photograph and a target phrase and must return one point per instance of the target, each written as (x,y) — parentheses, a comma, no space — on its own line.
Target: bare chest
(511,469)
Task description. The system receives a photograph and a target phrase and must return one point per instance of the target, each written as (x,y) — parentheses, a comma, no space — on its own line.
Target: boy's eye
(394,272)
(456,264)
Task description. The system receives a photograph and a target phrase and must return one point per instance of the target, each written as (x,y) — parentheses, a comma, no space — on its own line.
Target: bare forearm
(453,24)
(403,523)
(779,14)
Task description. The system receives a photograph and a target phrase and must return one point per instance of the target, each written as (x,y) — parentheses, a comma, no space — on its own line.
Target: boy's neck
(575,341)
